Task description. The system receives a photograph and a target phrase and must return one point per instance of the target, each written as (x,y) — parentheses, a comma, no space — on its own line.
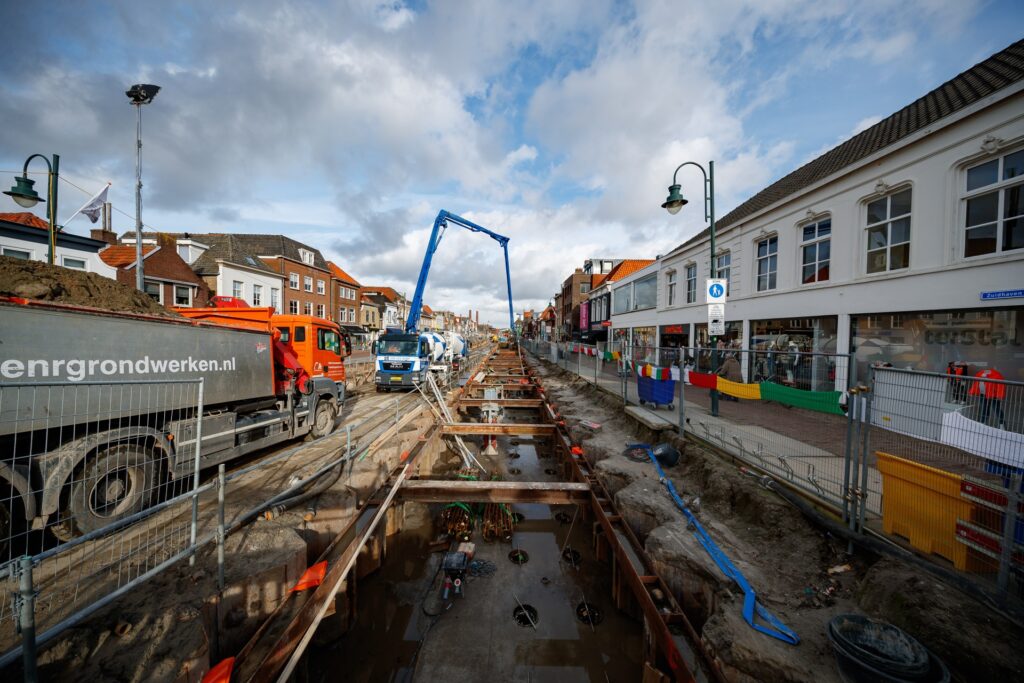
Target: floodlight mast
(440,223)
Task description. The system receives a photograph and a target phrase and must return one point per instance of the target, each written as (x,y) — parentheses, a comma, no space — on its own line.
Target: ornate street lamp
(25,195)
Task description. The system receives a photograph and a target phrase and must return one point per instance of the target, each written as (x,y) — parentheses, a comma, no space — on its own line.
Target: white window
(275,298)
(670,286)
(341,314)
(306,256)
(723,269)
(816,251)
(293,280)
(257,295)
(307,308)
(17,253)
(341,292)
(182,295)
(293,307)
(351,315)
(320,311)
(237,289)
(320,287)
(767,263)
(994,206)
(155,291)
(73,263)
(307,283)
(622,300)
(888,226)
(691,283)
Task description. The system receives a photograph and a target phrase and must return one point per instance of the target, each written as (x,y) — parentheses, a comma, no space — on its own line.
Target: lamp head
(142,93)
(675,200)
(23,193)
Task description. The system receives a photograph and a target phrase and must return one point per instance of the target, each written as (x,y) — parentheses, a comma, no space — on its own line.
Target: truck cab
(319,344)
(403,360)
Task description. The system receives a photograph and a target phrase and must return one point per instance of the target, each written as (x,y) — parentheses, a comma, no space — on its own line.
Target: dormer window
(306,256)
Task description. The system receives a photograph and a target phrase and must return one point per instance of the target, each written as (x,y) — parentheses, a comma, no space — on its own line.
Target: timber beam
(496,429)
(505,402)
(467,491)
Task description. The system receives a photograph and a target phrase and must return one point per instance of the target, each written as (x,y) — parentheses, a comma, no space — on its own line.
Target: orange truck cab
(317,344)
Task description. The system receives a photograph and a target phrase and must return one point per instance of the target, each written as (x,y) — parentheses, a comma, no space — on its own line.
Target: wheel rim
(323,417)
(115,492)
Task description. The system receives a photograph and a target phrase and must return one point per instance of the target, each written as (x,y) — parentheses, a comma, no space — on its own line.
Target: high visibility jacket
(992,390)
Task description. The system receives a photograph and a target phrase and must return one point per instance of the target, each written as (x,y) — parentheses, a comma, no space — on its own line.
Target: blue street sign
(1003,294)
(716,290)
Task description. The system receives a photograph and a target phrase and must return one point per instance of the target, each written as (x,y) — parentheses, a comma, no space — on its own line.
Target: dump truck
(83,442)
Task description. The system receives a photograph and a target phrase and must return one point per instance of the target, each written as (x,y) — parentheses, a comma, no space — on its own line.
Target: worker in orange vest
(990,393)
(958,387)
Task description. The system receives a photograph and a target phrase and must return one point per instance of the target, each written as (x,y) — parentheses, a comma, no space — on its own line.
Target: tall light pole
(139,95)
(25,195)
(673,204)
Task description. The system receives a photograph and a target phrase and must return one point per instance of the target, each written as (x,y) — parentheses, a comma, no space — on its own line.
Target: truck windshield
(402,348)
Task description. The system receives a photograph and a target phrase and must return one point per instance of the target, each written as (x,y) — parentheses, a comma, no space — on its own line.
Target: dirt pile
(785,557)
(43,282)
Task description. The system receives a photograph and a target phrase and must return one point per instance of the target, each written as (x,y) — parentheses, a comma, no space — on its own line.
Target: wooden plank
(506,402)
(466,491)
(496,429)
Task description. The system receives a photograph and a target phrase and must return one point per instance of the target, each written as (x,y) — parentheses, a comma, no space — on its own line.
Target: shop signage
(1003,294)
(673,329)
(606,323)
(716,319)
(715,289)
(585,315)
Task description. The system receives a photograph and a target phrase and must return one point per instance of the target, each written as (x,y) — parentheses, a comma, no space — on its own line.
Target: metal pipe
(140,280)
(195,476)
(1009,530)
(221,485)
(27,620)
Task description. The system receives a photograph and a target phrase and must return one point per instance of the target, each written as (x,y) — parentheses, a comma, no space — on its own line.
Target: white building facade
(903,245)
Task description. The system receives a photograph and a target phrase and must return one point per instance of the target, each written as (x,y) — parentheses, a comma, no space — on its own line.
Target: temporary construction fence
(929,460)
(91,506)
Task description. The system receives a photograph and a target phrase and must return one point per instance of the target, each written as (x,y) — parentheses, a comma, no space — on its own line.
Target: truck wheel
(323,419)
(116,483)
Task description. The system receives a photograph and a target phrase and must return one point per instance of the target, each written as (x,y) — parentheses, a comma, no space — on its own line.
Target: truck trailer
(73,469)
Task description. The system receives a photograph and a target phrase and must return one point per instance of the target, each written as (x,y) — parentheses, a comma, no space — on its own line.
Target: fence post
(1009,530)
(866,435)
(221,484)
(682,402)
(27,619)
(597,363)
(195,476)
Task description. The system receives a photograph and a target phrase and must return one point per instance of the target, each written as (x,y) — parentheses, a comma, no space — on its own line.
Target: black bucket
(665,454)
(868,650)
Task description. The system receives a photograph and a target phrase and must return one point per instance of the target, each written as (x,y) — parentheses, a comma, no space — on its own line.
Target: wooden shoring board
(496,429)
(468,491)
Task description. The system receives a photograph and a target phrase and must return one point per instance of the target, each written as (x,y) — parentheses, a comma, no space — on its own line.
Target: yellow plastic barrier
(739,389)
(922,503)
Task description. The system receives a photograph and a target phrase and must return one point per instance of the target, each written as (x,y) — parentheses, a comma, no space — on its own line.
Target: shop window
(816,251)
(994,206)
(670,287)
(888,226)
(767,263)
(723,269)
(691,283)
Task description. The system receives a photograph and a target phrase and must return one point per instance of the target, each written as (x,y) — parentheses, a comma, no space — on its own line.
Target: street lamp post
(673,204)
(25,195)
(139,95)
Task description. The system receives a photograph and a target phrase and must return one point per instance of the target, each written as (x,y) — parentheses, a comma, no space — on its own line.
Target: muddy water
(405,631)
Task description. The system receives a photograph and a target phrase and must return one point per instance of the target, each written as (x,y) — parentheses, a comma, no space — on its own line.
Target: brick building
(169,280)
(307,278)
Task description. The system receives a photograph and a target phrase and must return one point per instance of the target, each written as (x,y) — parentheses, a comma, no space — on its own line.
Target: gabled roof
(598,279)
(278,245)
(25,218)
(123,256)
(426,310)
(387,292)
(627,267)
(981,80)
(337,272)
(227,248)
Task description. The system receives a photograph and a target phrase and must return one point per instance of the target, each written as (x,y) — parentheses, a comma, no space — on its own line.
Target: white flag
(93,207)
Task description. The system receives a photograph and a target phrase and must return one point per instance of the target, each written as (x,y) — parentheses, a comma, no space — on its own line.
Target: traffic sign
(715,289)
(716,319)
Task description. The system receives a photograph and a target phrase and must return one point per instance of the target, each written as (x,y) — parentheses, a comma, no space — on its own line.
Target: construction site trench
(579,566)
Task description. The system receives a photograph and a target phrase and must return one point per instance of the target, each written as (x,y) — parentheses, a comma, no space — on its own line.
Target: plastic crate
(922,504)
(660,392)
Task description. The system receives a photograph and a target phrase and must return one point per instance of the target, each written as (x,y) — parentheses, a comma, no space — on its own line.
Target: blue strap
(751,605)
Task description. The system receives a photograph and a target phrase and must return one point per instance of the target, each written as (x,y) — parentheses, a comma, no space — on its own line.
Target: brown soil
(784,556)
(43,282)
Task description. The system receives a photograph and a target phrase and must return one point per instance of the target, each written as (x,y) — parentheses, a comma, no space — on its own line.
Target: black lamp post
(25,195)
(673,203)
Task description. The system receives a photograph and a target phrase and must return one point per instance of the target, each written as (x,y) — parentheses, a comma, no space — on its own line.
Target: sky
(349,125)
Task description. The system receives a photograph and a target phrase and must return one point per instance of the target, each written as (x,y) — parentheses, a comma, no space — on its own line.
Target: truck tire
(115,483)
(323,419)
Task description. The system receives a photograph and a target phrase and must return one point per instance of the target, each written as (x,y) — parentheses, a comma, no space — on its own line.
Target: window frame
(321,287)
(670,287)
(816,242)
(275,298)
(307,283)
(28,253)
(306,256)
(888,221)
(293,280)
(257,294)
(999,187)
(85,263)
(724,253)
(771,258)
(691,282)
(307,308)
(188,289)
(159,289)
(238,289)
(293,307)
(321,311)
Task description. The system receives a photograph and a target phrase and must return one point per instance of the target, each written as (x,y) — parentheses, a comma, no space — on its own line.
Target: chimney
(104,234)
(478,317)
(166,240)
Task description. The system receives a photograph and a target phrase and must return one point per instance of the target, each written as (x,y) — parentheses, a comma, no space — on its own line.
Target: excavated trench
(785,556)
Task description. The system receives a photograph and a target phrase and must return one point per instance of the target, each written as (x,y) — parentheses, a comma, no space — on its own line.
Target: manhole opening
(514,470)
(589,613)
(525,615)
(518,556)
(636,454)
(518,517)
(563,517)
(572,556)
(513,454)
(551,470)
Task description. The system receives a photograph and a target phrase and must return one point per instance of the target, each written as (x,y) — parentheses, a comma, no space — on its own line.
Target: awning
(354,329)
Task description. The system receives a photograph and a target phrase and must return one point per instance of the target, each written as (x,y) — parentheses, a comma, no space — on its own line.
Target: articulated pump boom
(403,360)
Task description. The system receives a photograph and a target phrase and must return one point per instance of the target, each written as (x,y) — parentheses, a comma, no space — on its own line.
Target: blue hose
(776,628)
